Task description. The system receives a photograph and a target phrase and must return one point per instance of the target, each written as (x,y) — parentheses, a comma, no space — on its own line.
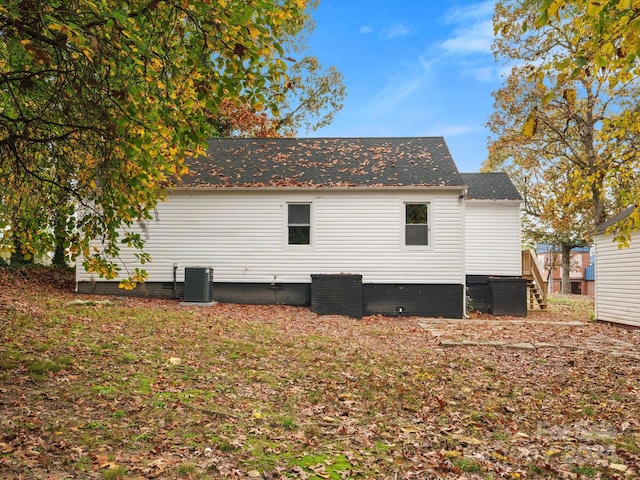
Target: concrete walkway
(449,330)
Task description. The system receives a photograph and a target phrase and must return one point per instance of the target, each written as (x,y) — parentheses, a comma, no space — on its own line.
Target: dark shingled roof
(323,162)
(623,215)
(490,186)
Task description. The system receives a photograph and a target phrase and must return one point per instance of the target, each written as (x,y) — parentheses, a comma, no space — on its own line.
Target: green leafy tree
(101,101)
(606,37)
(549,216)
(307,101)
(553,130)
(310,98)
(610,31)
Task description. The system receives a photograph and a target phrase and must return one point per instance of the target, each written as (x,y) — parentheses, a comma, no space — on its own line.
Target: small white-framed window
(299,223)
(416,228)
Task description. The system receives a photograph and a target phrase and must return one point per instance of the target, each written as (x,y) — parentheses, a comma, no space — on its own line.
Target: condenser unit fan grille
(197,284)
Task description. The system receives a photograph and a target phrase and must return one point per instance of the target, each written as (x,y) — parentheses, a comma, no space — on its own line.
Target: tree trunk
(549,266)
(566,268)
(59,255)
(599,213)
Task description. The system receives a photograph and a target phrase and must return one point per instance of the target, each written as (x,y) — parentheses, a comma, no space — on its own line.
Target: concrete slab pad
(521,346)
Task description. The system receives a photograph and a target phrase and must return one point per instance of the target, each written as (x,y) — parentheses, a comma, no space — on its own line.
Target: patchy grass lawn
(139,389)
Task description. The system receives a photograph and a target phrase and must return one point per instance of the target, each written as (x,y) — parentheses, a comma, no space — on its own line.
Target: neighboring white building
(272,216)
(617,274)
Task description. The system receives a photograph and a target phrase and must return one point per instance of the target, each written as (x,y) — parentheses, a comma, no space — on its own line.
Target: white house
(374,225)
(617,275)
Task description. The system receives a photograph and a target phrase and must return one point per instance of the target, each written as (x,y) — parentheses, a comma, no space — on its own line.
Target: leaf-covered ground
(144,389)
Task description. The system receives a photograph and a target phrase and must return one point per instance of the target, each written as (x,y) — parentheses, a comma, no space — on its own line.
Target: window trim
(287,224)
(403,226)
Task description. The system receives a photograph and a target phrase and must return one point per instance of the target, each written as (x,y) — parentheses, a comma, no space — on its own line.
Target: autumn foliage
(565,123)
(100,102)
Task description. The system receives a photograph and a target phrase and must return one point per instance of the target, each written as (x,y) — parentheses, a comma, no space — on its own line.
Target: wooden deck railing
(537,285)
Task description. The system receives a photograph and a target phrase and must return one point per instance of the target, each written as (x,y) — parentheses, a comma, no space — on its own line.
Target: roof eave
(456,188)
(605,227)
(494,200)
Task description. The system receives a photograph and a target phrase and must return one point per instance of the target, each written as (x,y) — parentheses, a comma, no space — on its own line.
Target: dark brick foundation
(340,294)
(498,295)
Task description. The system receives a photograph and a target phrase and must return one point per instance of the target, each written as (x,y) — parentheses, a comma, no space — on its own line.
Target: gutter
(454,188)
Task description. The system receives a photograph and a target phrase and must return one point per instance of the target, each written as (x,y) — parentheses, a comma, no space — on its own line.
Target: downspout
(175,280)
(462,198)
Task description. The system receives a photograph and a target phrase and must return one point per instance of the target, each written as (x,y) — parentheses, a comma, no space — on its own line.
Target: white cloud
(474,38)
(399,87)
(472,32)
(366,29)
(472,12)
(484,72)
(396,30)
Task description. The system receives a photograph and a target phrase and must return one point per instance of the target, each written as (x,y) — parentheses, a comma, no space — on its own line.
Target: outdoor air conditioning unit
(197,284)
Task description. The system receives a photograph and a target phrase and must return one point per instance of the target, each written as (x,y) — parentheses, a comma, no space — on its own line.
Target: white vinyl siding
(243,237)
(617,278)
(492,238)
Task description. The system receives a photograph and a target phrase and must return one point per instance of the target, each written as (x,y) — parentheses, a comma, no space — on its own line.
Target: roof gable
(490,186)
(323,162)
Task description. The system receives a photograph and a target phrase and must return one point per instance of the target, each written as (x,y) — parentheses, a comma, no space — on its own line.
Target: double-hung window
(416,229)
(299,223)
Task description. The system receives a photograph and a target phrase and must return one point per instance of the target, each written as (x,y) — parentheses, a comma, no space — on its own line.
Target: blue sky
(412,68)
